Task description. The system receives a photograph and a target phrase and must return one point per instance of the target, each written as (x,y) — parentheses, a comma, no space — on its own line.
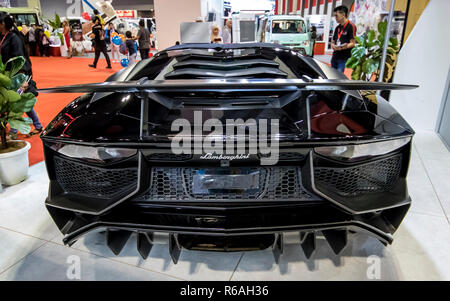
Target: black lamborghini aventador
(342,153)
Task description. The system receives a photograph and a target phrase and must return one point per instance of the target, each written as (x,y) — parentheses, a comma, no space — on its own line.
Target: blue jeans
(338,64)
(32,114)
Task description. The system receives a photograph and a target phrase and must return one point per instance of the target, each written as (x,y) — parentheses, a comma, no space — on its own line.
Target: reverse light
(360,151)
(100,154)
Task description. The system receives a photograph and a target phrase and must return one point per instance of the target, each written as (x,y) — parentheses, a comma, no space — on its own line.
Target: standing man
(143,37)
(227,35)
(100,44)
(343,39)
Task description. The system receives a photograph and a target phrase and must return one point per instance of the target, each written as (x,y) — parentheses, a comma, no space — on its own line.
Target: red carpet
(58,71)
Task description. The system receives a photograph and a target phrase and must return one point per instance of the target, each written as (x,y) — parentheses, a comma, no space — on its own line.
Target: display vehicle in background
(340,167)
(24,15)
(291,31)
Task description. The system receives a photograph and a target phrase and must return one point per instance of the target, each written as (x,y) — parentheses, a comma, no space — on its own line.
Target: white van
(288,30)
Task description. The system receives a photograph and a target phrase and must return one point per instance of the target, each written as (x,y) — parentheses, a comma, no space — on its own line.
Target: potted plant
(14,153)
(56,25)
(366,55)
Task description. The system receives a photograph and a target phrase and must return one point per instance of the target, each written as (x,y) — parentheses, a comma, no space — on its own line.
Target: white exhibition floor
(31,247)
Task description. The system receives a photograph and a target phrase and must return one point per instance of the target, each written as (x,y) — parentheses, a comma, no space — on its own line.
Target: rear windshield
(288,26)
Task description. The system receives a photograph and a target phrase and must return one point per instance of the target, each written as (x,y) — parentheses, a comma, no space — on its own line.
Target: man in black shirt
(343,39)
(100,43)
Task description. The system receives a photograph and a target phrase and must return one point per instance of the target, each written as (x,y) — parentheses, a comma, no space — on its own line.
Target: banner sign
(127,14)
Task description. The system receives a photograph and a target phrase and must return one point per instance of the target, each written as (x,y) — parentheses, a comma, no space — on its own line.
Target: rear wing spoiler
(153,90)
(157,86)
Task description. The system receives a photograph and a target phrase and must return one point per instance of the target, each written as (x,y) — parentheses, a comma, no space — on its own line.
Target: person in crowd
(24,31)
(131,48)
(343,39)
(32,39)
(45,43)
(42,41)
(66,34)
(143,37)
(100,44)
(11,46)
(108,35)
(227,33)
(215,35)
(292,28)
(313,32)
(276,28)
(99,16)
(115,49)
(37,35)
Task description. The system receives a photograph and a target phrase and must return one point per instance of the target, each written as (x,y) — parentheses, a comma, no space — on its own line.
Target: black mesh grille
(376,176)
(275,183)
(76,178)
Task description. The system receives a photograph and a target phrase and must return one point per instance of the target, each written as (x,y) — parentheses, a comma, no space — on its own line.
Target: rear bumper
(229,229)
(336,198)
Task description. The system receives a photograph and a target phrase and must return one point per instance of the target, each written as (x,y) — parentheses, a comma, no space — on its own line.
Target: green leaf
(371,44)
(61,37)
(23,105)
(382,28)
(393,42)
(20,125)
(13,115)
(352,62)
(5,81)
(371,36)
(2,66)
(57,21)
(358,40)
(358,52)
(17,81)
(27,120)
(27,96)
(16,65)
(370,66)
(356,74)
(13,96)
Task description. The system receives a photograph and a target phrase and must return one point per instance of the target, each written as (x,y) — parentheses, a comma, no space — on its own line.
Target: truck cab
(288,30)
(24,15)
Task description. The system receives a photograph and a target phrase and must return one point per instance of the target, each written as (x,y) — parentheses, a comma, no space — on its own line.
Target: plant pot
(14,166)
(55,50)
(64,51)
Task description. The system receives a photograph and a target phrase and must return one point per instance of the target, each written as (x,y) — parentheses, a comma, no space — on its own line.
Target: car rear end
(341,159)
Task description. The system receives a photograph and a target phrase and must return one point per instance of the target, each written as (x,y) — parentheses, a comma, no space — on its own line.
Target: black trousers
(144,53)
(101,48)
(33,47)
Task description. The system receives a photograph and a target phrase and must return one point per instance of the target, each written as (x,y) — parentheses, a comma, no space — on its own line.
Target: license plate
(204,181)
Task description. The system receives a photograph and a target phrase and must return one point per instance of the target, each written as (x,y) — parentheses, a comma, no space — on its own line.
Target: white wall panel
(169,14)
(424,60)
